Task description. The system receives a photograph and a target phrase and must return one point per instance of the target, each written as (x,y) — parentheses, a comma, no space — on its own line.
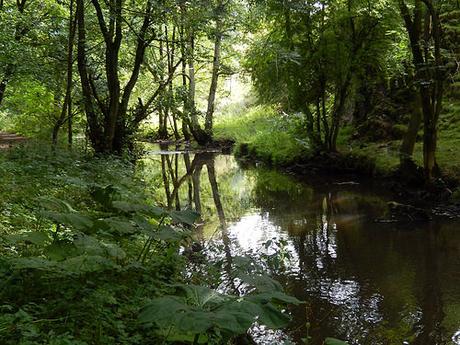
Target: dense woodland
(338,63)
(89,255)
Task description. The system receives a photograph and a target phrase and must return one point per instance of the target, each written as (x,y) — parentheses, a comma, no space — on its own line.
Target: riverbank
(277,141)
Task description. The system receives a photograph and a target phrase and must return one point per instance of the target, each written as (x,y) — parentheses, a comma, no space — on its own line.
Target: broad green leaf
(60,251)
(195,321)
(88,245)
(275,296)
(200,295)
(138,208)
(333,341)
(163,311)
(235,322)
(167,233)
(33,263)
(262,283)
(87,263)
(272,317)
(56,204)
(121,227)
(104,195)
(75,220)
(188,217)
(115,251)
(34,237)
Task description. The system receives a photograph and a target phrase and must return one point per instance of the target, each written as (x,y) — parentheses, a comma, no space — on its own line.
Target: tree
(21,28)
(313,56)
(107,107)
(66,112)
(425,35)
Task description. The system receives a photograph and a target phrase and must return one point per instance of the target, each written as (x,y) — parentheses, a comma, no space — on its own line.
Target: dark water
(365,282)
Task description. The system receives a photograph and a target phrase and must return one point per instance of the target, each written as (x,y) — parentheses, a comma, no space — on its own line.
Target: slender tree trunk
(70,127)
(66,112)
(164,175)
(162,111)
(410,137)
(6,78)
(94,129)
(198,133)
(214,79)
(185,127)
(431,84)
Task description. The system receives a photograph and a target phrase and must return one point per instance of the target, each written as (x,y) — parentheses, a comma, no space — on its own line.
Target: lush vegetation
(87,259)
(387,69)
(90,255)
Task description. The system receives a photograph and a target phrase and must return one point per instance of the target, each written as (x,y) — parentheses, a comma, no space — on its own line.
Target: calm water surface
(365,282)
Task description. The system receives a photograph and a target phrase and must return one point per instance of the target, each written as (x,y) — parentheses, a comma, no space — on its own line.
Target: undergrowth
(87,258)
(279,139)
(265,134)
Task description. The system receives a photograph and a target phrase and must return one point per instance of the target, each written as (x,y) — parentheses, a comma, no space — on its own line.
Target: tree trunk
(66,112)
(20,32)
(4,82)
(214,80)
(431,84)
(190,107)
(410,137)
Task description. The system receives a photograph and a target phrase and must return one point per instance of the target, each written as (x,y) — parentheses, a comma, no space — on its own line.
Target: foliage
(262,133)
(85,261)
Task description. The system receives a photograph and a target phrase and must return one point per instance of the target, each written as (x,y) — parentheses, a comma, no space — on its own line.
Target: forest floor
(9,139)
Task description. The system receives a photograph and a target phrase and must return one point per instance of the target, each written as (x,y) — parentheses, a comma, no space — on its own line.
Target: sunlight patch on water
(456,338)
(253,230)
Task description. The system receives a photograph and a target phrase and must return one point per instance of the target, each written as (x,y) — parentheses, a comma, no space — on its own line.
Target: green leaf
(138,208)
(88,245)
(200,295)
(75,220)
(275,296)
(34,237)
(121,227)
(195,321)
(261,282)
(33,263)
(235,322)
(87,263)
(56,204)
(163,311)
(167,233)
(60,251)
(272,317)
(333,341)
(188,217)
(104,195)
(115,251)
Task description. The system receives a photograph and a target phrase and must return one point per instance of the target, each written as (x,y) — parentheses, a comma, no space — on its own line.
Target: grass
(264,134)
(272,138)
(386,154)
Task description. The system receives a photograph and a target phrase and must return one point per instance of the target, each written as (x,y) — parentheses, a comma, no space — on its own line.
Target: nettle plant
(116,274)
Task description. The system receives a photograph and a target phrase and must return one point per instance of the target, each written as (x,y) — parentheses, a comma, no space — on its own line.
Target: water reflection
(365,282)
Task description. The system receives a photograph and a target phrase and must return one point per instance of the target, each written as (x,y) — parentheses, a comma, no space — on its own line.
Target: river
(363,281)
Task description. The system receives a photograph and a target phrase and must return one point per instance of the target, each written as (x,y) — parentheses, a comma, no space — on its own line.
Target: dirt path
(8,139)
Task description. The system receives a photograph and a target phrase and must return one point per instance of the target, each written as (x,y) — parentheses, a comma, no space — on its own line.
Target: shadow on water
(365,282)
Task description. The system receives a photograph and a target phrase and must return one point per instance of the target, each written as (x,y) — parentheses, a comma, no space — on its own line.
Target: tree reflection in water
(369,283)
